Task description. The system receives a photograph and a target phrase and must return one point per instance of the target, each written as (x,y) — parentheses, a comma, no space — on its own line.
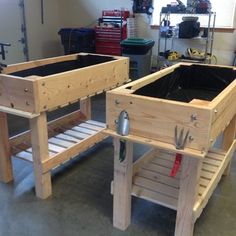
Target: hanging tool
(180,142)
(42,12)
(122,128)
(2,49)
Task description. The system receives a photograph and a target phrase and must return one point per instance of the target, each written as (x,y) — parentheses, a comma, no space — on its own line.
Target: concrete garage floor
(81,203)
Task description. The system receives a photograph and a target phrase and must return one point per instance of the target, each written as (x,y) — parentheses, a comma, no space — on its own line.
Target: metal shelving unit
(209,39)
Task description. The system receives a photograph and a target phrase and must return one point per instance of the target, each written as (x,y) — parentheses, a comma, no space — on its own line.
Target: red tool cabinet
(111,32)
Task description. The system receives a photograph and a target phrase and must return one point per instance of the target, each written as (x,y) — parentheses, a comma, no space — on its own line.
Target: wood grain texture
(122,186)
(187,196)
(156,119)
(81,83)
(18,93)
(39,140)
(228,138)
(6,174)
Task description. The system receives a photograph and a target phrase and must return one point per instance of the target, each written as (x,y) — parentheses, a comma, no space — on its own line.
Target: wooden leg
(122,186)
(6,174)
(228,137)
(39,140)
(190,173)
(85,107)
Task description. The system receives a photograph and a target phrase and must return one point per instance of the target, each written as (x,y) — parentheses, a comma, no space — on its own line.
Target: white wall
(43,40)
(76,13)
(86,12)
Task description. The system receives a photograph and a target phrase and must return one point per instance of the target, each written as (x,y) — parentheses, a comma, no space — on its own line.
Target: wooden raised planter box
(31,89)
(199,99)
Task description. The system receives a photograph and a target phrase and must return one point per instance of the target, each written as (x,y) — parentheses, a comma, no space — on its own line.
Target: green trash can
(139,50)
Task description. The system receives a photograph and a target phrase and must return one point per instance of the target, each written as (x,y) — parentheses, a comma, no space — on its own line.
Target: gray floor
(81,203)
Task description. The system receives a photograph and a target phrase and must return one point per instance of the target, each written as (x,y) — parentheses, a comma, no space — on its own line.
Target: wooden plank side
(157,144)
(6,174)
(58,89)
(18,93)
(156,119)
(224,107)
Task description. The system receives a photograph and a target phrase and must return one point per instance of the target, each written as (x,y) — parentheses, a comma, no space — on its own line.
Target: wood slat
(90,126)
(51,154)
(158,177)
(25,156)
(209,168)
(97,123)
(156,186)
(76,134)
(163,162)
(155,197)
(68,138)
(159,169)
(83,130)
(59,142)
(212,162)
(55,148)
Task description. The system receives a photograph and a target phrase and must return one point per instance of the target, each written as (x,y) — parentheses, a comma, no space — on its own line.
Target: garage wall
(76,13)
(43,40)
(86,12)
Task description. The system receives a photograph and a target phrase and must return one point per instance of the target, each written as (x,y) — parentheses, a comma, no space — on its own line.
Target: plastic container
(137,46)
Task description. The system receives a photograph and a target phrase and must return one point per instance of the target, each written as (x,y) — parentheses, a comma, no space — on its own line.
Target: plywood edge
(153,143)
(202,201)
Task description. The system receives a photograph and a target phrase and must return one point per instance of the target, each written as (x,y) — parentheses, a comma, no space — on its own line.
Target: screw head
(193,117)
(117,102)
(26,90)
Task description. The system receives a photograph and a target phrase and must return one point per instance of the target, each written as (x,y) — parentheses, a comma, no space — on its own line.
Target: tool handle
(176,166)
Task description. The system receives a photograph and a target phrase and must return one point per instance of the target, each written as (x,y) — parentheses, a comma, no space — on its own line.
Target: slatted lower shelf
(61,142)
(152,181)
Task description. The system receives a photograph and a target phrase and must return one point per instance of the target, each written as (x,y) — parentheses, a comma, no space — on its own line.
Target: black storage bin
(189,29)
(77,40)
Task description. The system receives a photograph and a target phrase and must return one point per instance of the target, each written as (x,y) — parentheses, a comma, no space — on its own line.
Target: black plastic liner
(190,82)
(80,62)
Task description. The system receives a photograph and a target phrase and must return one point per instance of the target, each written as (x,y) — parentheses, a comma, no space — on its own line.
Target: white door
(12,31)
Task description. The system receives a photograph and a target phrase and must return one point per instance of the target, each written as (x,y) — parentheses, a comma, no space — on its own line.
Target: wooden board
(156,119)
(35,94)
(152,181)
(67,145)
(80,83)
(18,93)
